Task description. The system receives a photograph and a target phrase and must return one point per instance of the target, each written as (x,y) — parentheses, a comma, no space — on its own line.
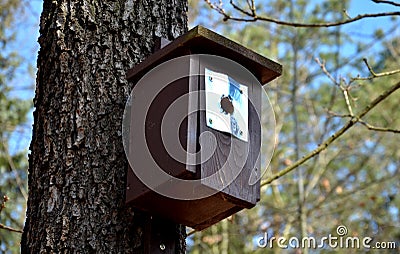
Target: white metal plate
(234,120)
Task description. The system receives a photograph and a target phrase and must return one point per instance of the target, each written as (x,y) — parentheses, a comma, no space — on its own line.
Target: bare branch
(326,72)
(236,7)
(347,100)
(355,57)
(373,73)
(253,7)
(2,206)
(345,90)
(10,229)
(386,2)
(334,114)
(369,126)
(380,129)
(335,136)
(253,17)
(346,13)
(369,67)
(377,75)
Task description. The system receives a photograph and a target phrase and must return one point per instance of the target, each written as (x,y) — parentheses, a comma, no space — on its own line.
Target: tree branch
(253,17)
(335,136)
(344,89)
(2,206)
(373,73)
(10,229)
(236,7)
(380,129)
(386,2)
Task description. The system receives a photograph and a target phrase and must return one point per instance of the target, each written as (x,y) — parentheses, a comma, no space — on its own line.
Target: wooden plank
(243,157)
(198,214)
(255,138)
(161,128)
(160,236)
(192,122)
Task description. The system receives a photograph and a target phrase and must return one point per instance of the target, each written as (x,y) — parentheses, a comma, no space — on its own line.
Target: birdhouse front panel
(231,123)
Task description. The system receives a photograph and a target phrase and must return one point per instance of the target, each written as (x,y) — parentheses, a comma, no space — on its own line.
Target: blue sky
(27,46)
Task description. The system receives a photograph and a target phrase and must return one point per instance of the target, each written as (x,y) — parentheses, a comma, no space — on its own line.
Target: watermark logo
(341,240)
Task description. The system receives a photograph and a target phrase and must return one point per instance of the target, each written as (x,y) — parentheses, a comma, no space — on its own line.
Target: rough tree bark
(77,165)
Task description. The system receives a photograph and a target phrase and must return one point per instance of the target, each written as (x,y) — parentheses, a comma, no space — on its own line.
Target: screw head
(162,246)
(210,121)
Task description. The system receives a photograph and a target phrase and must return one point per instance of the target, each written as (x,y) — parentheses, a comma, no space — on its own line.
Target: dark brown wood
(192,128)
(239,194)
(159,43)
(159,236)
(198,214)
(245,195)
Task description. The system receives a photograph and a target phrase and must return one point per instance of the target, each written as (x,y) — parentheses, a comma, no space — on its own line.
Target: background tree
(77,166)
(13,117)
(352,182)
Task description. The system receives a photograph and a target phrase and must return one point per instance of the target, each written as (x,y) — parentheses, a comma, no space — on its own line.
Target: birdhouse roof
(201,40)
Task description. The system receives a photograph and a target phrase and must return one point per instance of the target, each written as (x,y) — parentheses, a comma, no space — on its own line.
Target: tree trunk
(77,165)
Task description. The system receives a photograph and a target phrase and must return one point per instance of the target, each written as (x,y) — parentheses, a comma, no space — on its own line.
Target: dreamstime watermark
(340,240)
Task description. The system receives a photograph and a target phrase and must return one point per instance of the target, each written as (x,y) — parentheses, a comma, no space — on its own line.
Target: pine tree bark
(77,165)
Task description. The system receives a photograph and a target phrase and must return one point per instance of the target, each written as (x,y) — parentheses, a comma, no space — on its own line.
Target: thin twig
(354,57)
(252,7)
(373,73)
(344,89)
(236,7)
(374,128)
(335,136)
(3,202)
(346,13)
(369,68)
(10,229)
(334,114)
(348,104)
(327,73)
(386,2)
(2,226)
(252,17)
(377,75)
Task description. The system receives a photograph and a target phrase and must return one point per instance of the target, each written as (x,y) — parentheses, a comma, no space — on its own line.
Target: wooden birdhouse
(194,129)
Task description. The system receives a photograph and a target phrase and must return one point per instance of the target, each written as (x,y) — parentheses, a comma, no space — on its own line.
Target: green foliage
(13,114)
(355,181)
